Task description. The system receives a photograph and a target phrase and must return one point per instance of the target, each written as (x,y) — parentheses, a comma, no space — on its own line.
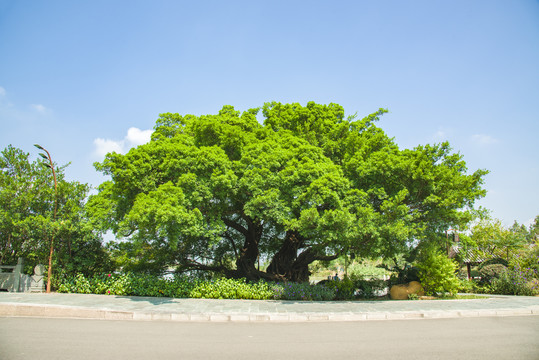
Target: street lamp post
(50,165)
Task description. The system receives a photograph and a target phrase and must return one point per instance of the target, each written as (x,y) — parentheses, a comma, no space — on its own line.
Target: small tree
(32,212)
(437,272)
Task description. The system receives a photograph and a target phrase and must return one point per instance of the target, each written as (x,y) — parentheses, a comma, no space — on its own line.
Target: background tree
(533,231)
(489,238)
(27,205)
(219,192)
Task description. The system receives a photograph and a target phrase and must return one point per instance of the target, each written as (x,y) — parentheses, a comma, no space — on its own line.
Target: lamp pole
(50,165)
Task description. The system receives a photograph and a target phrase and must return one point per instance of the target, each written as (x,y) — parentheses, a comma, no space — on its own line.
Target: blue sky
(84,77)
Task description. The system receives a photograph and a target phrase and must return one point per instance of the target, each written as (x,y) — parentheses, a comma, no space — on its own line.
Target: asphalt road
(478,338)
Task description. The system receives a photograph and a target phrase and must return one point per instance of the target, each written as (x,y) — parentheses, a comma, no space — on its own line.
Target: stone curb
(73,312)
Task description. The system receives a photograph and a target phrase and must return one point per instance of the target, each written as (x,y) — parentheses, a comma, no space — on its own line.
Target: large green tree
(27,223)
(219,192)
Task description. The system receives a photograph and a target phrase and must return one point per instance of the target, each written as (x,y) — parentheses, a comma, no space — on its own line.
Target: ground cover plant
(180,287)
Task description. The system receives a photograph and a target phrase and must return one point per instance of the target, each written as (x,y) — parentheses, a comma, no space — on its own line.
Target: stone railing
(12,278)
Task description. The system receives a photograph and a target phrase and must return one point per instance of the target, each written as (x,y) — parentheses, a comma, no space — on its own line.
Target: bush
(493,261)
(304,291)
(343,289)
(404,275)
(369,288)
(491,272)
(437,273)
(528,260)
(124,284)
(473,287)
(232,289)
(75,284)
(516,281)
(150,285)
(352,287)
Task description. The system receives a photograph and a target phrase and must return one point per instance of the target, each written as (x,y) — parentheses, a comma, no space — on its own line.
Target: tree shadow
(149,299)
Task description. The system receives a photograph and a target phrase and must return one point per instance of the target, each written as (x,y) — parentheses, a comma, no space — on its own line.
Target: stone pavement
(168,309)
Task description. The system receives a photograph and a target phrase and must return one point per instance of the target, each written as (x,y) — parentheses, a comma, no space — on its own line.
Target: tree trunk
(284,264)
(248,256)
(287,265)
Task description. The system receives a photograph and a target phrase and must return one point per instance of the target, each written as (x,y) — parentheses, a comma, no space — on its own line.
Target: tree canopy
(27,202)
(223,192)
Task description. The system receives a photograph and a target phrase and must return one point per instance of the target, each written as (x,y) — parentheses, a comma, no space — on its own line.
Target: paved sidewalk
(168,309)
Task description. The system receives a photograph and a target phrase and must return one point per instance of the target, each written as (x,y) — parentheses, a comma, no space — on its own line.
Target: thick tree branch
(229,238)
(235,226)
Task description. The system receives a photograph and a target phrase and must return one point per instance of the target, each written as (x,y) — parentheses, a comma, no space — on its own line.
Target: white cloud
(2,91)
(39,108)
(137,137)
(134,137)
(483,139)
(104,146)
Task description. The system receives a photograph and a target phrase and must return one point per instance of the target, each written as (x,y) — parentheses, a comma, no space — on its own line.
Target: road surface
(478,338)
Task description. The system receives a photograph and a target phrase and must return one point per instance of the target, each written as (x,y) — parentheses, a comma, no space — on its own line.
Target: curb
(72,312)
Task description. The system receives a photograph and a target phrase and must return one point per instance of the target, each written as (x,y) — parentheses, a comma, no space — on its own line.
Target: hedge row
(143,285)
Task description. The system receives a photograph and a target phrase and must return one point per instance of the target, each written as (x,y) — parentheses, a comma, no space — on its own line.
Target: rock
(401,292)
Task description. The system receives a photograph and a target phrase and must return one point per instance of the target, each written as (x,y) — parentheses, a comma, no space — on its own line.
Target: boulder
(401,292)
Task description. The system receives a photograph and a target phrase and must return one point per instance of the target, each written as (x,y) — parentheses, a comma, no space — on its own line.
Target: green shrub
(303,291)
(76,284)
(149,285)
(516,281)
(473,287)
(491,272)
(369,288)
(404,275)
(467,286)
(528,260)
(437,273)
(493,261)
(344,289)
(232,289)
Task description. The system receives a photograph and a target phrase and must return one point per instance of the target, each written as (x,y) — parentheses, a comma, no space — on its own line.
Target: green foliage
(367,270)
(437,273)
(345,289)
(490,272)
(369,289)
(110,284)
(27,223)
(472,287)
(490,238)
(308,184)
(404,275)
(493,261)
(528,259)
(232,289)
(147,285)
(364,268)
(353,287)
(516,281)
(303,291)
